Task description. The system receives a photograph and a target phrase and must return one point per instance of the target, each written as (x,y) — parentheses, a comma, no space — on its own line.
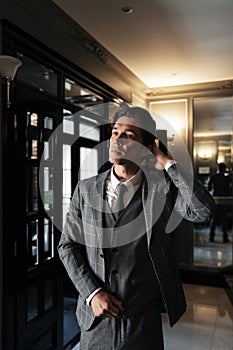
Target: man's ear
(150,147)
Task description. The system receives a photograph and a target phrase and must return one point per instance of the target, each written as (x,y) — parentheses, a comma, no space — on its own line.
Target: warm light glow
(205,154)
(221,157)
(205,150)
(212,133)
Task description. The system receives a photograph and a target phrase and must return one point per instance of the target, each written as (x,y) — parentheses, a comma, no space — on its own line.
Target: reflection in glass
(32,189)
(48,188)
(48,239)
(88,129)
(79,96)
(213,125)
(38,76)
(48,123)
(66,178)
(32,302)
(32,242)
(32,119)
(48,140)
(32,136)
(46,150)
(48,294)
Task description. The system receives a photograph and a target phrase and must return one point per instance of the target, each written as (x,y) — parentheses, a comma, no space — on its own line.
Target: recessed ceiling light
(127,9)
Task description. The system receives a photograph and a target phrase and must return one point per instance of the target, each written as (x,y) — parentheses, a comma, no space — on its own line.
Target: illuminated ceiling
(163,42)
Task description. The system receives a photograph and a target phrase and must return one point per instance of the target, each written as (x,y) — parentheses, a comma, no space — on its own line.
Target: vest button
(115,250)
(114,272)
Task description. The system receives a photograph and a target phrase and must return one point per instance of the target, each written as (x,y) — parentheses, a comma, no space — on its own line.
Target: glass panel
(32,119)
(88,162)
(66,178)
(46,151)
(32,189)
(68,126)
(89,129)
(48,140)
(48,293)
(32,136)
(48,188)
(48,239)
(32,302)
(37,75)
(48,123)
(213,126)
(32,243)
(79,96)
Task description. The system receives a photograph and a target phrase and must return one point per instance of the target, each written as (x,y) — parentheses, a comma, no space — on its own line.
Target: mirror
(213,140)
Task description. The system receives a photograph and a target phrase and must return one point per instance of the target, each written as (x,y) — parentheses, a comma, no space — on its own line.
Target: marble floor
(206,325)
(212,254)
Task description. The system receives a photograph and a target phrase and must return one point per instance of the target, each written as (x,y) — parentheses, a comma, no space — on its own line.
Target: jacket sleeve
(72,250)
(193,202)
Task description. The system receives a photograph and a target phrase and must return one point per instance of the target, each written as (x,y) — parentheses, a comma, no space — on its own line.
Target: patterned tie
(118,205)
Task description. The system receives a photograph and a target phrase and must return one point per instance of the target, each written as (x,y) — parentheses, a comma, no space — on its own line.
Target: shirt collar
(132,182)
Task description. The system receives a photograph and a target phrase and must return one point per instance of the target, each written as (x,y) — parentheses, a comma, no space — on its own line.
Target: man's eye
(131,136)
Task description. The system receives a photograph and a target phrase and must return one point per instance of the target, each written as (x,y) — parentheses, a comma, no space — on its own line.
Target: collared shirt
(132,185)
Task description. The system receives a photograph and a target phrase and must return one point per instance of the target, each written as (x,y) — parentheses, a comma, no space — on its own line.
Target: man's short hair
(143,117)
(222,167)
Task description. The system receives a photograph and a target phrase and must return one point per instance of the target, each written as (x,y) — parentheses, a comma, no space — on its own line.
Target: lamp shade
(9,66)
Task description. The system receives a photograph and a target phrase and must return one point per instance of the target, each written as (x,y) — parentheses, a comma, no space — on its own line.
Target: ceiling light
(127,9)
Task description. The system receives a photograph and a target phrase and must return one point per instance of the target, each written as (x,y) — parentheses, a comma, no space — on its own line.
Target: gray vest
(130,275)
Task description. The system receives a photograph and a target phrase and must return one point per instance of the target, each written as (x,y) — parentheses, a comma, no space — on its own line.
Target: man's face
(126,142)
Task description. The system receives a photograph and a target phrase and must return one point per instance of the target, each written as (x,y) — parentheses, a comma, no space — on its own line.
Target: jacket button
(102,255)
(114,272)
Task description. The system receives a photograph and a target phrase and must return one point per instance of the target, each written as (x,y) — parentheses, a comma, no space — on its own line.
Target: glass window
(88,129)
(66,178)
(32,136)
(32,243)
(37,75)
(48,239)
(48,188)
(48,292)
(68,126)
(88,162)
(48,123)
(48,140)
(32,189)
(79,96)
(32,302)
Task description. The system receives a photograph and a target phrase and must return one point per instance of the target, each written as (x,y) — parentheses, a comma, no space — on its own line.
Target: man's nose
(121,135)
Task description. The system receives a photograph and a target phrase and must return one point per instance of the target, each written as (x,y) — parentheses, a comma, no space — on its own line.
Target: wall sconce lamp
(8,69)
(205,154)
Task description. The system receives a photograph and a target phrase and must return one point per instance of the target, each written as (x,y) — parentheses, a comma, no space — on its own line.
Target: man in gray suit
(117,246)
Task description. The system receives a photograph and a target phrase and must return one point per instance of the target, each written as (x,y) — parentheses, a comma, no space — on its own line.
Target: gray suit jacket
(166,200)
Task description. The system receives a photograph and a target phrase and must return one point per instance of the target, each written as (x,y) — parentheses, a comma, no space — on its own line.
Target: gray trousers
(134,333)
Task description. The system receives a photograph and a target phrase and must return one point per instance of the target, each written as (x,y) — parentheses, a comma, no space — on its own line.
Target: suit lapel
(153,197)
(146,202)
(100,206)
